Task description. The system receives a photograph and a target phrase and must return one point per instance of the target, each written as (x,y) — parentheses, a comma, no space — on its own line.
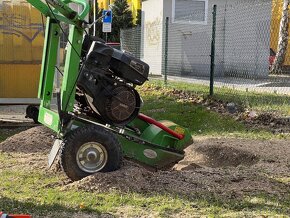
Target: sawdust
(188,183)
(30,148)
(37,139)
(207,168)
(227,167)
(131,177)
(223,156)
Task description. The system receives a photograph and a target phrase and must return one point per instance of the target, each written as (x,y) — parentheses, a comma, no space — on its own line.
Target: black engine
(107,80)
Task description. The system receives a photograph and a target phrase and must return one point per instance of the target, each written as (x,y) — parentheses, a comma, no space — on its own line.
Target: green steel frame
(57,10)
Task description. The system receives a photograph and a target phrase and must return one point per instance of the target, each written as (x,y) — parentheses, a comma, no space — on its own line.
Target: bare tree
(283,40)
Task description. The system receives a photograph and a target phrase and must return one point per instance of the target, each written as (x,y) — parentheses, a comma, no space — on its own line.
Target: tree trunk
(283,40)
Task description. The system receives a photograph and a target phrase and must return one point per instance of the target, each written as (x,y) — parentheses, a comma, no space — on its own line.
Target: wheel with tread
(88,150)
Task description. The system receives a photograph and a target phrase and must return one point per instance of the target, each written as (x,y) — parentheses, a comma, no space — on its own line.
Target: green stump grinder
(97,118)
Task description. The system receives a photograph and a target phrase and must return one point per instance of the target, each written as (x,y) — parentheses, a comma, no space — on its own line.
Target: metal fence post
(166,50)
(212,55)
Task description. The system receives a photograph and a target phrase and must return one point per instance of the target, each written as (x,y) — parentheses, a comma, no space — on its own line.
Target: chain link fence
(246,41)
(131,40)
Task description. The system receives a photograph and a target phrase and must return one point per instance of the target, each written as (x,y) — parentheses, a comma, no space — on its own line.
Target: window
(190,11)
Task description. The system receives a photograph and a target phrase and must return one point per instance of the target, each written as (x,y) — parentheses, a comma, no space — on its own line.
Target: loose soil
(223,167)
(37,139)
(30,147)
(227,167)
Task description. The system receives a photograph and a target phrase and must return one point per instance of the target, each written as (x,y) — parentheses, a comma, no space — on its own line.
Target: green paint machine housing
(90,140)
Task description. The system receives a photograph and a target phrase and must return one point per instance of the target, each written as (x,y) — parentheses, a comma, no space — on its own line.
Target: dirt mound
(37,139)
(223,156)
(135,178)
(189,183)
(218,153)
(223,166)
(131,177)
(265,150)
(227,167)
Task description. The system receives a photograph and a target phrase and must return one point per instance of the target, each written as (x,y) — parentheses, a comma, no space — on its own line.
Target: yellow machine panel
(21,45)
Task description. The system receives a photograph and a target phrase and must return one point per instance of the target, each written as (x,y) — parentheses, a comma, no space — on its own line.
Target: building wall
(242,40)
(190,44)
(21,44)
(247,48)
(152,24)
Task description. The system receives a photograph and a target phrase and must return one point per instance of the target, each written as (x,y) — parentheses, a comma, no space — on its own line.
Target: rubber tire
(74,140)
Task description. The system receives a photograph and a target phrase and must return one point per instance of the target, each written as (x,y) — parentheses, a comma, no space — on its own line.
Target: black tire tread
(81,135)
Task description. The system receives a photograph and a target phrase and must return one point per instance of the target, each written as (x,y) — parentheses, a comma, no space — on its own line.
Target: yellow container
(21,45)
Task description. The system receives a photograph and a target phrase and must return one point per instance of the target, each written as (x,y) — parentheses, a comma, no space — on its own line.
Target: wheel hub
(92,157)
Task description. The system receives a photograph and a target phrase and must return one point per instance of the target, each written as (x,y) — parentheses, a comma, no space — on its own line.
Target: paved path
(14,114)
(278,85)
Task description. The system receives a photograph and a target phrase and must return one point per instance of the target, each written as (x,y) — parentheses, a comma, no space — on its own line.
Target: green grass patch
(38,193)
(4,135)
(265,102)
(196,118)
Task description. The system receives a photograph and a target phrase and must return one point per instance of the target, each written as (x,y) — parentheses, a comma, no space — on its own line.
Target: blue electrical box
(107,16)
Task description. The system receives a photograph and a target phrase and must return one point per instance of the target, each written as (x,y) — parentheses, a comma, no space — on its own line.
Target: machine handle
(84,3)
(62,11)
(62,7)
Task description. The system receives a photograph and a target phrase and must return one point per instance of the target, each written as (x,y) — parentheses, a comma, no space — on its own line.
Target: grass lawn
(40,193)
(195,117)
(34,193)
(267,102)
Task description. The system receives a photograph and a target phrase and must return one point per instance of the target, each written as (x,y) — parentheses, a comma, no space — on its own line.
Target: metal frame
(57,10)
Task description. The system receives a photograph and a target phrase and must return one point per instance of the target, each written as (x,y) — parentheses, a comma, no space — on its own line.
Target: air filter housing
(129,68)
